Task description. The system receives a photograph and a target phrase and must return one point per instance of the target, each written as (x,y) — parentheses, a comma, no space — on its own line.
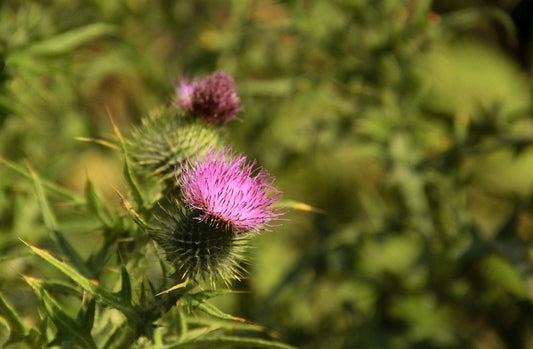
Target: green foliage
(399,131)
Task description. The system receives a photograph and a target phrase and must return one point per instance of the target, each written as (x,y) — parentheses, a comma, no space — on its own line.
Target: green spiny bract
(167,137)
(198,250)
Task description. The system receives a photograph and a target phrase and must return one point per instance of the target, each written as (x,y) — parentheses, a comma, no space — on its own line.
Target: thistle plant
(202,219)
(202,226)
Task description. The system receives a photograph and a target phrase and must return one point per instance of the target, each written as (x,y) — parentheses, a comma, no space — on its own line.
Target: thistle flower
(166,138)
(213,98)
(228,191)
(198,250)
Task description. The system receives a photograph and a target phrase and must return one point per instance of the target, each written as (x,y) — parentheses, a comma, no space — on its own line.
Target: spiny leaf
(231,342)
(67,327)
(97,291)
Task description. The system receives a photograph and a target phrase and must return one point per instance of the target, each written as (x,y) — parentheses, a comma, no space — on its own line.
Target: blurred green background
(406,125)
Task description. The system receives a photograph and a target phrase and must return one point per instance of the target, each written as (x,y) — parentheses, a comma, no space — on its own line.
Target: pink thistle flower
(228,190)
(213,98)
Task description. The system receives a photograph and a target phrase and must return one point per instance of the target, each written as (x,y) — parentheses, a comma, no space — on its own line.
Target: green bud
(167,137)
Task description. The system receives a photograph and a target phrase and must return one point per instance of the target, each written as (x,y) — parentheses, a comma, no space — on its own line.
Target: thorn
(181,285)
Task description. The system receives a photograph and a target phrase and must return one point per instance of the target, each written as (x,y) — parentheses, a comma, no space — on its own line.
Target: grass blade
(75,198)
(68,41)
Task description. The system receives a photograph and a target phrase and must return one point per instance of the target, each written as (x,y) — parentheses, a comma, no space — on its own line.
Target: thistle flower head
(227,190)
(213,98)
(198,250)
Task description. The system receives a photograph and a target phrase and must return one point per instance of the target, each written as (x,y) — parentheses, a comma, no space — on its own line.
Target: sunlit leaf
(101,294)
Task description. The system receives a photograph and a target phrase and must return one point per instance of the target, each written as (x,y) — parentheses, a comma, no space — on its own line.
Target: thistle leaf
(212,310)
(231,342)
(97,291)
(68,328)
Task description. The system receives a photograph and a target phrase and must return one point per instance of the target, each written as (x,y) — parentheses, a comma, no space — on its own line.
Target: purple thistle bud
(213,98)
(227,190)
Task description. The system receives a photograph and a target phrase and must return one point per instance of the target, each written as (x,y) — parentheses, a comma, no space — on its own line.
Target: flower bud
(166,138)
(213,99)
